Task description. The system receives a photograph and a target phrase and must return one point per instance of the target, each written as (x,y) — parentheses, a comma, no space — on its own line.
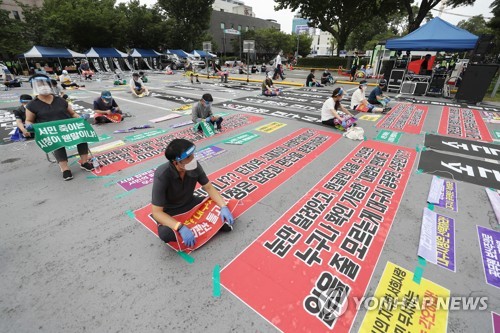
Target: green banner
(207,128)
(242,138)
(63,133)
(388,136)
(103,137)
(145,135)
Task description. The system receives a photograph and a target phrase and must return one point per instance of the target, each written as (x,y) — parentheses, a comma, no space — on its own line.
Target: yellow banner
(369,117)
(271,127)
(402,305)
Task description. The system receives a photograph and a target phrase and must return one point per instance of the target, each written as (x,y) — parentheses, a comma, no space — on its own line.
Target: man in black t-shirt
(105,107)
(173,192)
(311,80)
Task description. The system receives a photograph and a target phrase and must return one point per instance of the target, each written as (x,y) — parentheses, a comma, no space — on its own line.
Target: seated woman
(360,103)
(137,87)
(218,71)
(85,70)
(66,81)
(268,88)
(336,115)
(168,70)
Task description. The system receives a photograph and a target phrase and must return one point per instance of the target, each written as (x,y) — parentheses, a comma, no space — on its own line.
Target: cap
(106,95)
(363,83)
(25,98)
(207,97)
(382,82)
(65,72)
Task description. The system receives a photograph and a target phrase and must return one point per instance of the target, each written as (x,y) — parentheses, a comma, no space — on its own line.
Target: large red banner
(407,118)
(463,123)
(301,272)
(204,220)
(251,179)
(127,156)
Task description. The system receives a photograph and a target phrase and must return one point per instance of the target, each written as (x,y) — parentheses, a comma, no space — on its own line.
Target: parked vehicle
(173,61)
(197,62)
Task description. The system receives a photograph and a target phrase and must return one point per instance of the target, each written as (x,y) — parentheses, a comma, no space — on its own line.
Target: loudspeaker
(421,88)
(408,87)
(484,45)
(387,67)
(475,83)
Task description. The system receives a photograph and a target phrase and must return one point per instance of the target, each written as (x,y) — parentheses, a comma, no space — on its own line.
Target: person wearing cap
(202,111)
(335,114)
(369,71)
(190,71)
(268,88)
(105,107)
(377,96)
(173,192)
(48,107)
(66,81)
(137,86)
(359,101)
(20,115)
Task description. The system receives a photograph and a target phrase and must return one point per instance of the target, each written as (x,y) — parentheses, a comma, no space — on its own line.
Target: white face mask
(191,165)
(44,90)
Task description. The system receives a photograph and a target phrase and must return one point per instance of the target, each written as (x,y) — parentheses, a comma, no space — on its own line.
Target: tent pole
(25,59)
(496,87)
(59,63)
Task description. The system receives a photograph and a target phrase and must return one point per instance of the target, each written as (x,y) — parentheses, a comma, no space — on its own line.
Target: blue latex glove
(85,116)
(344,124)
(208,119)
(113,110)
(226,215)
(30,128)
(187,236)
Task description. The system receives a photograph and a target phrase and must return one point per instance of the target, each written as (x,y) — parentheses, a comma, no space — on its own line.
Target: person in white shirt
(335,114)
(137,87)
(278,71)
(360,103)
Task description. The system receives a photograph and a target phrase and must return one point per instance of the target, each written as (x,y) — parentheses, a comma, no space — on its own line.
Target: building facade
(231,19)
(15,11)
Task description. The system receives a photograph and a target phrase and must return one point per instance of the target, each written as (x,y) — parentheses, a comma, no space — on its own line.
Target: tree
(337,17)
(475,25)
(190,19)
(416,15)
(305,42)
(11,35)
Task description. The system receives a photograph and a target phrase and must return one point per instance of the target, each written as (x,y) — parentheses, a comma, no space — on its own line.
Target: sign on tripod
(207,46)
(248,46)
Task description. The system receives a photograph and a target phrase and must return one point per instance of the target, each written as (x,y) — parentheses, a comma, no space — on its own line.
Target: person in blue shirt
(377,96)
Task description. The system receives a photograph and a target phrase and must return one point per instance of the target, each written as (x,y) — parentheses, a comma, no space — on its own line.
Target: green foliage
(269,41)
(475,25)
(190,18)
(11,35)
(338,17)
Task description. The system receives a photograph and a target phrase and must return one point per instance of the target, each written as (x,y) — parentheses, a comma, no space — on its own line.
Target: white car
(197,62)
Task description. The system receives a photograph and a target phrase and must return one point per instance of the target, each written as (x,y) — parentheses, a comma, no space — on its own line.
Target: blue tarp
(202,54)
(104,52)
(148,53)
(46,52)
(436,35)
(179,53)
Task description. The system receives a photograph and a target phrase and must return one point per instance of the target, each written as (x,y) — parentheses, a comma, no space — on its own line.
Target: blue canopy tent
(436,35)
(104,53)
(203,54)
(148,53)
(179,53)
(49,52)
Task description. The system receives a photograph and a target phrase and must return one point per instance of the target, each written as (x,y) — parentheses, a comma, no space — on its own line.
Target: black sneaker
(387,109)
(67,175)
(226,227)
(87,166)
